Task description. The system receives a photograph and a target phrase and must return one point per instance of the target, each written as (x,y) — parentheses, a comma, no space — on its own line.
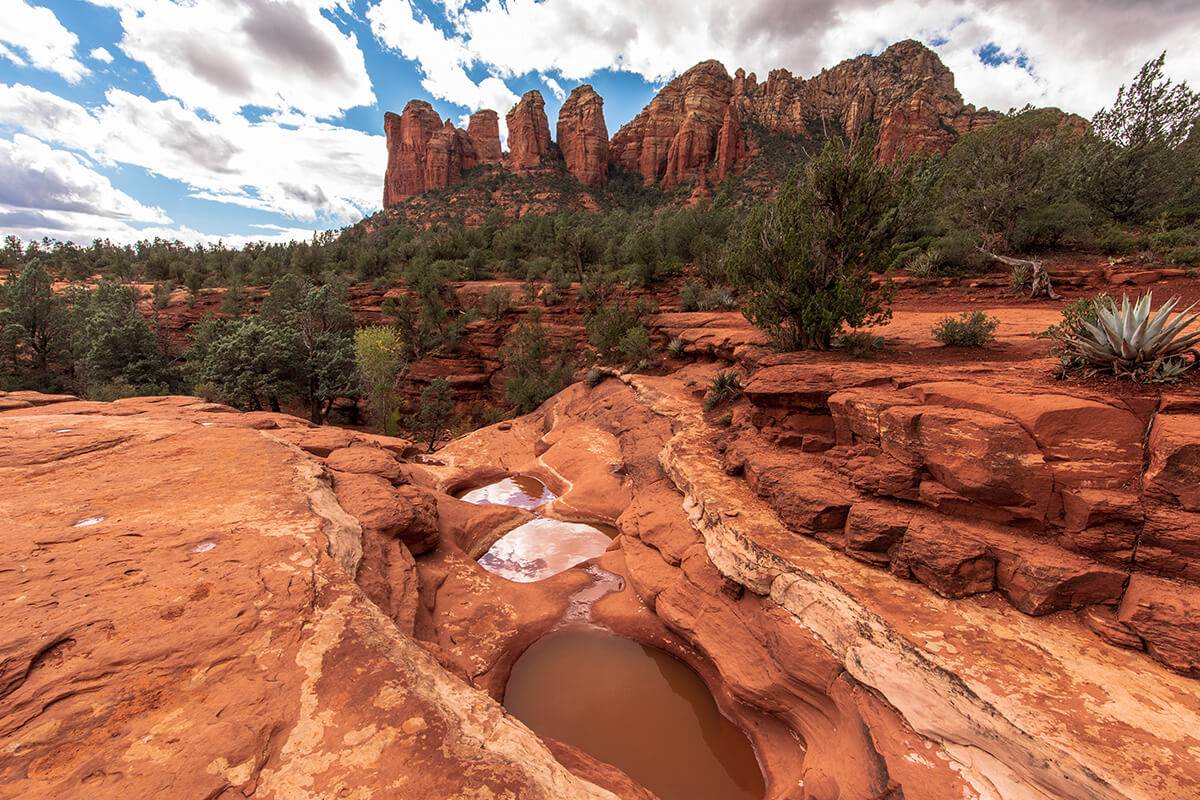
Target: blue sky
(249,119)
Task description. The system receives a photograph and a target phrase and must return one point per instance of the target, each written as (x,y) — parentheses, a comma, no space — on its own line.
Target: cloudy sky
(262,119)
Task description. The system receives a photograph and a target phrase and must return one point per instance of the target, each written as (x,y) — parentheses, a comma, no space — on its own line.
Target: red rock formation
(676,134)
(731,144)
(583,137)
(905,93)
(423,153)
(528,131)
(484,130)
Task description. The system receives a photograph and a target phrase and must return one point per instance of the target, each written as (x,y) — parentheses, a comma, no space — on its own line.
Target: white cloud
(1077,52)
(100,54)
(223,55)
(37,32)
(555,87)
(49,192)
(442,59)
(289,165)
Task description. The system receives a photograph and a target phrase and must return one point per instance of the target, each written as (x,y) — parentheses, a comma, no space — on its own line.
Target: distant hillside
(702,128)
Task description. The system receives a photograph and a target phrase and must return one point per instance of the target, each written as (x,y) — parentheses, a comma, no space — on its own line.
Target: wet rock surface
(200,640)
(879,613)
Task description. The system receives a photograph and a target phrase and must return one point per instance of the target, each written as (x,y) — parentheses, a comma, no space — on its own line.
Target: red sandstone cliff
(528,131)
(484,130)
(676,134)
(703,123)
(583,137)
(424,153)
(702,117)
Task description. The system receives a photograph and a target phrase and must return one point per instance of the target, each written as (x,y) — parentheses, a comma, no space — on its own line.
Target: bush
(972,329)
(1116,242)
(726,386)
(805,259)
(617,333)
(689,296)
(1189,256)
(675,348)
(496,303)
(535,366)
(860,344)
(1056,225)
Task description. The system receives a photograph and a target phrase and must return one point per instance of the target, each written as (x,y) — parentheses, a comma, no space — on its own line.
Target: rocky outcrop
(704,118)
(196,631)
(484,130)
(528,131)
(583,137)
(705,125)
(423,153)
(676,134)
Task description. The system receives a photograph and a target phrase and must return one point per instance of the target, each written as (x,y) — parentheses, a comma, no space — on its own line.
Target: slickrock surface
(194,638)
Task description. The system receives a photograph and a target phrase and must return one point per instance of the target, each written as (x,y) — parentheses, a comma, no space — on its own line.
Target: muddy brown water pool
(637,708)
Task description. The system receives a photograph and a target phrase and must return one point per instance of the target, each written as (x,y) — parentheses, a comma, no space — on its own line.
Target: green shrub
(1116,242)
(1055,225)
(689,296)
(675,348)
(617,333)
(496,303)
(725,386)
(1186,255)
(859,344)
(536,367)
(972,329)
(596,376)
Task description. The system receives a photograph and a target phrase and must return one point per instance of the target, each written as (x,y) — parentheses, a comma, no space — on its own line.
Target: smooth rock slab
(200,642)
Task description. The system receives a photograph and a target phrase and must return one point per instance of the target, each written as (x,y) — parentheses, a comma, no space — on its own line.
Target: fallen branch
(1040,283)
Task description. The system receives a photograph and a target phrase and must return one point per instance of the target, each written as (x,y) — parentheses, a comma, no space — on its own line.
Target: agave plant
(1134,342)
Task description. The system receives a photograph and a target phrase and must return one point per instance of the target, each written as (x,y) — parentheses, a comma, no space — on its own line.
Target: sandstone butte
(704,123)
(963,582)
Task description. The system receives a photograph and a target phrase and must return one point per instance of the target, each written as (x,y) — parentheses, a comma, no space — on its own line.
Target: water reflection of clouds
(543,547)
(521,491)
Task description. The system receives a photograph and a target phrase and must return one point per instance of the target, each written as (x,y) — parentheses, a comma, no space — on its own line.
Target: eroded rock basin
(522,491)
(634,707)
(541,547)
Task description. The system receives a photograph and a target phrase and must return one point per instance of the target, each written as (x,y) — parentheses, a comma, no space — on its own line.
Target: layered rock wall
(969,489)
(583,137)
(424,153)
(528,132)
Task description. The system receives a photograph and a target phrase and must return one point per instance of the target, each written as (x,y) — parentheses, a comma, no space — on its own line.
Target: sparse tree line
(801,265)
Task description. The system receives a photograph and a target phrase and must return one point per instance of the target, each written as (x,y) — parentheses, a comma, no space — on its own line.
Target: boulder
(1174,471)
(366,460)
(1166,615)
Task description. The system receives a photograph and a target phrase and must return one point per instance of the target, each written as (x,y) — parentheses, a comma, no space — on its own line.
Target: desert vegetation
(809,263)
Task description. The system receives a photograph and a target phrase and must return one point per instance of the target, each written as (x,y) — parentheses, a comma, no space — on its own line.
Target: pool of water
(521,491)
(543,547)
(636,708)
